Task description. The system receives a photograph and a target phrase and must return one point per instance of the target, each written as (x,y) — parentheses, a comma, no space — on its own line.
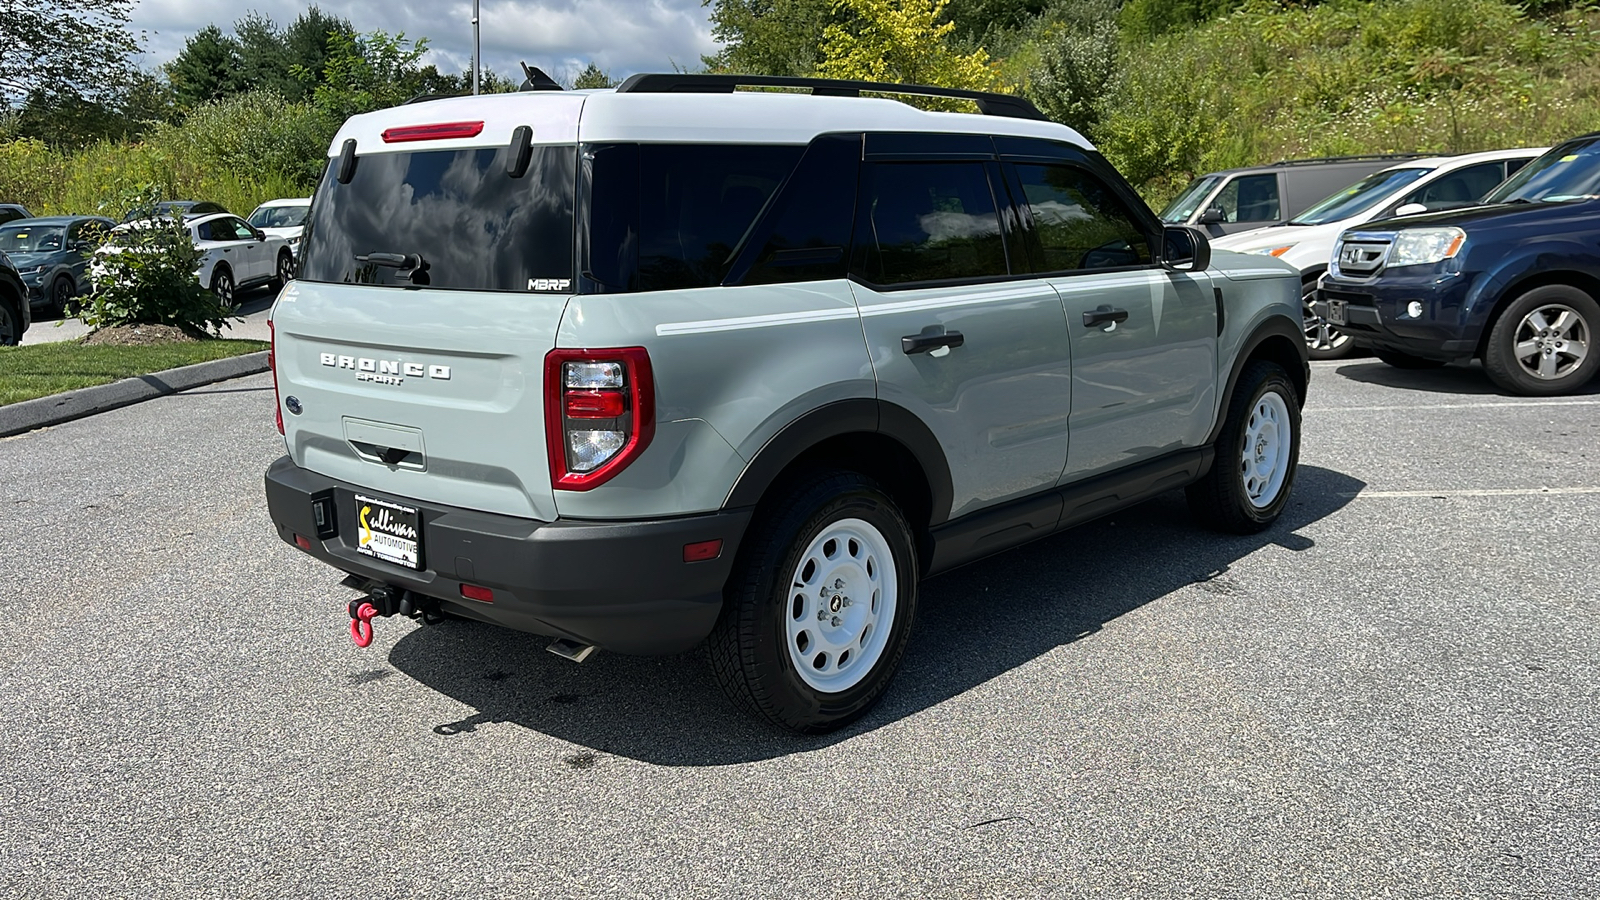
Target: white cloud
(559,36)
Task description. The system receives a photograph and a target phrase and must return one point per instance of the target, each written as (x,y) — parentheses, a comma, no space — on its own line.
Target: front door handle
(931,338)
(1103,314)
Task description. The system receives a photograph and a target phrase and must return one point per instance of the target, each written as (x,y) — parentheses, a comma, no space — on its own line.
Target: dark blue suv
(1514,281)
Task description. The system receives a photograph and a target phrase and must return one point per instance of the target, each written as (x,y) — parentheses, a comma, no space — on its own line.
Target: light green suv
(676,363)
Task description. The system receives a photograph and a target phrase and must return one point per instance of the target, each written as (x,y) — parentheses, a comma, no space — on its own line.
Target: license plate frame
(389,531)
(1336,312)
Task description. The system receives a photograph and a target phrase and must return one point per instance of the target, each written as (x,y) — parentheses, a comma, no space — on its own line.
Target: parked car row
(50,265)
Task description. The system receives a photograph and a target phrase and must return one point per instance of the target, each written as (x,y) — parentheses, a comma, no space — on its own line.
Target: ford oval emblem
(293,404)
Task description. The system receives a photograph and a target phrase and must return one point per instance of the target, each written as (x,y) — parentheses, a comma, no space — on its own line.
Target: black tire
(1518,325)
(285,270)
(1401,360)
(223,287)
(1223,498)
(1323,341)
(10,324)
(750,648)
(63,294)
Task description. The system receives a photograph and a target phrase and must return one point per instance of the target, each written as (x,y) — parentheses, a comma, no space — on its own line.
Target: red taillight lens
(437,132)
(702,551)
(596,404)
(272,363)
(303,542)
(474,592)
(600,413)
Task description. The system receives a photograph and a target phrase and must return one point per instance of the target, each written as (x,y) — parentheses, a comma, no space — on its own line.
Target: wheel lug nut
(836,621)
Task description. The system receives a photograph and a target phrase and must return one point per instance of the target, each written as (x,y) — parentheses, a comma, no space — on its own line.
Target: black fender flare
(1269,330)
(836,419)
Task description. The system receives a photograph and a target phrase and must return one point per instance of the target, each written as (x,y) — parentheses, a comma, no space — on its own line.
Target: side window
(1460,188)
(927,221)
(811,218)
(206,233)
(1081,225)
(695,204)
(1249,198)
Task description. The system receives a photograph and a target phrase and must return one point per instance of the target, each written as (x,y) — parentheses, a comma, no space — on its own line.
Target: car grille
(1361,257)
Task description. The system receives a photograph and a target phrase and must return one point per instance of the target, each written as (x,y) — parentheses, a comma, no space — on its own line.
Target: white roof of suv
(748,117)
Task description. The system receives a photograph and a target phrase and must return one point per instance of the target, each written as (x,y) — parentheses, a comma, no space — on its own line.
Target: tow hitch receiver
(387,601)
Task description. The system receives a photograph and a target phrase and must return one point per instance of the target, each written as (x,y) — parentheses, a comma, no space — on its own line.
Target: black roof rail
(990,104)
(1360,157)
(424,98)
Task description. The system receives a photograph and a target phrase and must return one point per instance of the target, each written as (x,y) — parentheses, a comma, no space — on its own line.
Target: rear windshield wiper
(411,265)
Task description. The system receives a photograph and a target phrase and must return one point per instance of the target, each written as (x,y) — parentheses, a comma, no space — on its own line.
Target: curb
(58,408)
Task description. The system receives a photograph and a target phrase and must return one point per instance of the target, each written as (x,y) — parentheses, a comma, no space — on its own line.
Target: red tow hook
(361,623)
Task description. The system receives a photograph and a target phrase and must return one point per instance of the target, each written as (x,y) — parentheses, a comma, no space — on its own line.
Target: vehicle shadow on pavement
(669,711)
(1452,379)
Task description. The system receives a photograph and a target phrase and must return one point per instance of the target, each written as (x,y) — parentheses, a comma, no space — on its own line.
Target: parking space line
(1486,492)
(1508,404)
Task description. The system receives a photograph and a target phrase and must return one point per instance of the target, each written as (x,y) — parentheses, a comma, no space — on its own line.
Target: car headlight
(1425,246)
(1272,251)
(33,271)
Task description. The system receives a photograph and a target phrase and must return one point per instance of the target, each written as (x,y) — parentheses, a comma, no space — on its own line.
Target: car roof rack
(1360,157)
(990,104)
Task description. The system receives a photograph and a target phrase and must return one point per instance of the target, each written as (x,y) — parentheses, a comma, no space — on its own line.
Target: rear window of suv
(476,227)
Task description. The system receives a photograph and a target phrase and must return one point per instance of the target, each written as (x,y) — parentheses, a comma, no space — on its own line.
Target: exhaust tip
(572,650)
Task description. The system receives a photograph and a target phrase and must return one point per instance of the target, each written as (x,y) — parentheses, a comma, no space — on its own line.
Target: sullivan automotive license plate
(389,531)
(1336,314)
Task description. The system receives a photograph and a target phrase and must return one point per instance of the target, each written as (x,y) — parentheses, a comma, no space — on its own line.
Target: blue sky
(559,36)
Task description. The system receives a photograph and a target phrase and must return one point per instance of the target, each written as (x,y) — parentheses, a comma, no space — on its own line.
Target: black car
(53,256)
(1514,282)
(177,208)
(10,211)
(14,314)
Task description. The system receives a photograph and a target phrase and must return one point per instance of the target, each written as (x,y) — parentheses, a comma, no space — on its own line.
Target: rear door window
(1462,187)
(927,221)
(474,226)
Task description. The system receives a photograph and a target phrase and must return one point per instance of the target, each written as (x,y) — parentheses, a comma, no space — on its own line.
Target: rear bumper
(620,585)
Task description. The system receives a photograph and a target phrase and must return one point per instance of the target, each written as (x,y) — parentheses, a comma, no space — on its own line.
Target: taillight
(438,132)
(272,363)
(600,413)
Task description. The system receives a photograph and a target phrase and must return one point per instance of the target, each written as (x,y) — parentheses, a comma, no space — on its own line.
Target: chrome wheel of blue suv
(1543,343)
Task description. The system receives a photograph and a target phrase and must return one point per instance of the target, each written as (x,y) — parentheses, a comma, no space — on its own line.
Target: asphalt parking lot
(1392,693)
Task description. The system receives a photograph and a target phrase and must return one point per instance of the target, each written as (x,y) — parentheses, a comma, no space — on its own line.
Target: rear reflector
(438,132)
(596,404)
(304,543)
(474,592)
(702,551)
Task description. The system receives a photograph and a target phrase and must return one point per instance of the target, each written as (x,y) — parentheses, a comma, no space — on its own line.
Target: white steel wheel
(841,606)
(1264,458)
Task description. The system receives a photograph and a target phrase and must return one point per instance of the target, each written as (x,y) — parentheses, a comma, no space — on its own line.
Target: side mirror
(1185,249)
(260,235)
(1410,209)
(1213,216)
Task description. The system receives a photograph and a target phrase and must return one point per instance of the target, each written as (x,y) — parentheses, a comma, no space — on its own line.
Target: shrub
(149,280)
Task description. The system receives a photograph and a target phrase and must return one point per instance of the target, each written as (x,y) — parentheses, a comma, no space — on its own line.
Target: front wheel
(817,610)
(63,293)
(285,270)
(1257,454)
(1323,341)
(10,325)
(1544,342)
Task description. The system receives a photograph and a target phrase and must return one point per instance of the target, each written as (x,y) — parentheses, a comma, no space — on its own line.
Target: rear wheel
(1257,454)
(818,608)
(222,285)
(10,325)
(1544,342)
(1323,341)
(1402,360)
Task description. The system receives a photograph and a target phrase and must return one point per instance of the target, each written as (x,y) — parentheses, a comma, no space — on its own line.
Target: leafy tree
(208,68)
(1079,66)
(977,21)
(372,71)
(83,45)
(263,57)
(592,77)
(150,280)
(901,41)
(308,43)
(770,37)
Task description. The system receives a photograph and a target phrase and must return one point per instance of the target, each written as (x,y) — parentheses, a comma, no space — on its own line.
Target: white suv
(1411,187)
(233,254)
(283,218)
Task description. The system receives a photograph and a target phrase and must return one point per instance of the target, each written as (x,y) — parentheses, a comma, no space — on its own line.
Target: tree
(83,45)
(372,71)
(977,21)
(592,77)
(208,68)
(901,41)
(307,44)
(1078,71)
(263,58)
(769,37)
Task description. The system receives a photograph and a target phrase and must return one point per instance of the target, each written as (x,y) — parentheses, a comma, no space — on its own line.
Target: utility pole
(477,48)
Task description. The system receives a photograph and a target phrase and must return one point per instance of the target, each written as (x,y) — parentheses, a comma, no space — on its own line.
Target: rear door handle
(1103,314)
(931,338)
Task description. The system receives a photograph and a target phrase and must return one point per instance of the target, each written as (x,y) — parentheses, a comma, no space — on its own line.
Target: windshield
(1359,197)
(280,216)
(1569,172)
(1180,209)
(29,239)
(474,226)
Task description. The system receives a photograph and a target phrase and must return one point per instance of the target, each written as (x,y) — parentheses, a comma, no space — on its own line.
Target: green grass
(40,370)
